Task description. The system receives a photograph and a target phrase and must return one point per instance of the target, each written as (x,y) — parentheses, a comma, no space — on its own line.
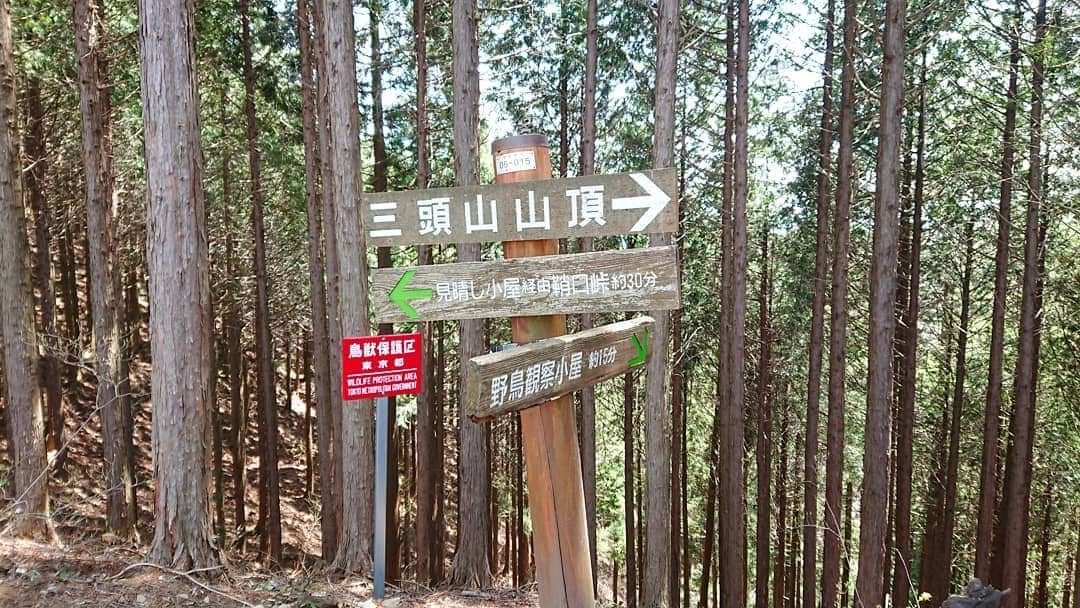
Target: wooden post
(548,432)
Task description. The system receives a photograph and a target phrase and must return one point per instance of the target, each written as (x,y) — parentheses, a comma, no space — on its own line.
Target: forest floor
(85,566)
(97,574)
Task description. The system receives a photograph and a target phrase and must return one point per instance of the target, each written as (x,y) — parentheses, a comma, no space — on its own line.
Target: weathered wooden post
(548,432)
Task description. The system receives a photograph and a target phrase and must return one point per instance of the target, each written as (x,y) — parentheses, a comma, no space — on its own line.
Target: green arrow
(640,345)
(400,295)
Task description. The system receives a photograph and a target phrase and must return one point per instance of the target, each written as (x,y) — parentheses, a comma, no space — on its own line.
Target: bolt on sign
(380,366)
(630,279)
(517,378)
(595,205)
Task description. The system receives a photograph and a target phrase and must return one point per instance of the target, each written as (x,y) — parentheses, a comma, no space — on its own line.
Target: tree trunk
(1017,491)
(657,556)
(428,461)
(309,460)
(342,188)
(322,346)
(817,322)
(588,395)
(988,485)
(269,501)
(1042,590)
(732,492)
(22,396)
(37,156)
(104,269)
(845,575)
(834,459)
(379,184)
(901,581)
(708,542)
(233,327)
(872,533)
(764,433)
(177,258)
(781,514)
(470,567)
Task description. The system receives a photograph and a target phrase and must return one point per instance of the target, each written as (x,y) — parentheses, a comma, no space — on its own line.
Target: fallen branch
(186,575)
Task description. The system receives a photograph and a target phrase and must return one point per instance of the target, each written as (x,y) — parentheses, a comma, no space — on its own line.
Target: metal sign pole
(382,439)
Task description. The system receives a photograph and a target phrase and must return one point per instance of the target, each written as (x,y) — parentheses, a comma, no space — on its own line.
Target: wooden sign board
(595,205)
(630,279)
(527,375)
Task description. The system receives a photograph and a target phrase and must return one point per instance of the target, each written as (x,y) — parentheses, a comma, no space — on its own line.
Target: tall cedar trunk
(764,434)
(22,396)
(657,556)
(320,331)
(177,262)
(1017,492)
(628,490)
(331,502)
(988,479)
(309,459)
(438,561)
(342,189)
(588,167)
(470,567)
(427,455)
(794,598)
(1042,591)
(872,533)
(37,156)
(379,184)
(732,491)
(70,293)
(708,543)
(781,514)
(817,322)
(943,559)
(104,277)
(233,326)
(834,459)
(315,272)
(845,574)
(269,501)
(901,580)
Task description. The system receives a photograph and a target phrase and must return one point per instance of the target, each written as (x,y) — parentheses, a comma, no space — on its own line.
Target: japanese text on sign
(524,382)
(555,285)
(380,366)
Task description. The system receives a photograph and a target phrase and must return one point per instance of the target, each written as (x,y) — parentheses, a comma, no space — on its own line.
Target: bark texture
(470,566)
(177,261)
(657,556)
(341,185)
(872,533)
(104,279)
(988,485)
(1017,490)
(22,397)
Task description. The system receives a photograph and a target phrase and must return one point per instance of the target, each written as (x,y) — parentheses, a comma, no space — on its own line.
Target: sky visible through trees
(868,395)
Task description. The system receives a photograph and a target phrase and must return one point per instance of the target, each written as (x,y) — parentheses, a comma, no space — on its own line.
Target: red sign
(380,366)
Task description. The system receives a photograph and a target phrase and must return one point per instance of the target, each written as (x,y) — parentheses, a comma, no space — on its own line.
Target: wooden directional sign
(631,279)
(597,205)
(536,372)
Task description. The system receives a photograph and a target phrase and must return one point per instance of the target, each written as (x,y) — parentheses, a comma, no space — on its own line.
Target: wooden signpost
(632,279)
(514,379)
(536,288)
(596,205)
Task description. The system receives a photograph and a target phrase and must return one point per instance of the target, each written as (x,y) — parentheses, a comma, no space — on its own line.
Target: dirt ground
(95,574)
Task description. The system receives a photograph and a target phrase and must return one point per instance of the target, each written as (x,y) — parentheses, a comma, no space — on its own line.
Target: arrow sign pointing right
(653,202)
